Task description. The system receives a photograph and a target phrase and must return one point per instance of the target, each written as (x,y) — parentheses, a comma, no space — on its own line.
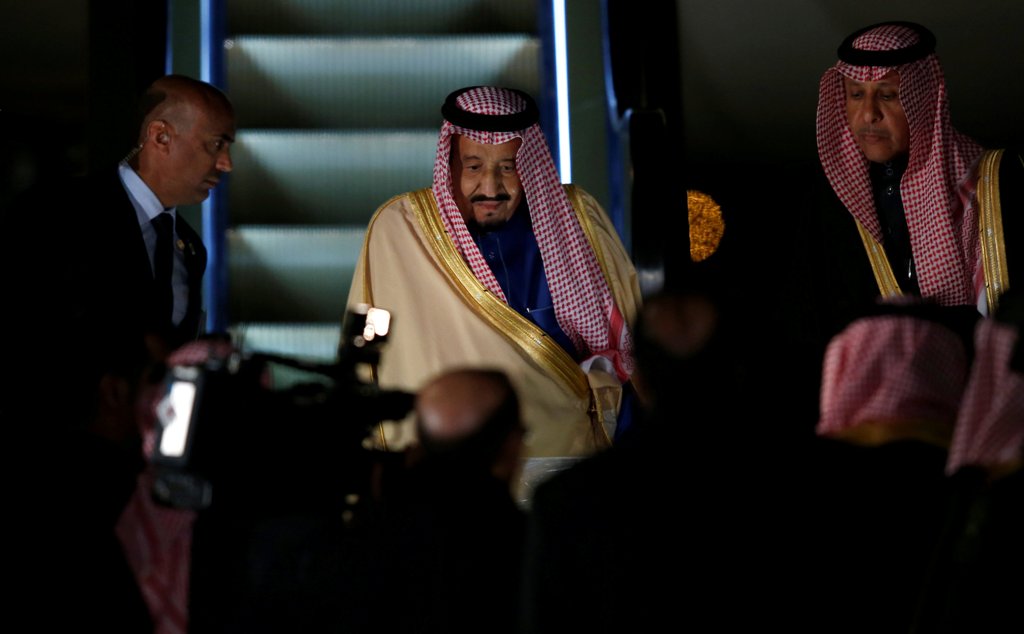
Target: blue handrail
(618,143)
(213,33)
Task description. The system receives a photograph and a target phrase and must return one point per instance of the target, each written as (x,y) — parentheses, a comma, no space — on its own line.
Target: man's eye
(508,169)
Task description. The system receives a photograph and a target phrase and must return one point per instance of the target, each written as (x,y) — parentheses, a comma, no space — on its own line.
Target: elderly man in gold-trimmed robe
(499,265)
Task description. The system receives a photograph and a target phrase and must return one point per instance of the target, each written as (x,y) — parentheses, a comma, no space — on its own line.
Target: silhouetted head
(469,420)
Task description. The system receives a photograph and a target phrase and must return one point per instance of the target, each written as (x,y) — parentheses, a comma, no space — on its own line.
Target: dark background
(748,69)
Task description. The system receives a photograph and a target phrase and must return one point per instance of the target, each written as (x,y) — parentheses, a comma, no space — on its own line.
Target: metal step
(383,83)
(311,343)
(338,106)
(316,342)
(363,17)
(325,177)
(291,274)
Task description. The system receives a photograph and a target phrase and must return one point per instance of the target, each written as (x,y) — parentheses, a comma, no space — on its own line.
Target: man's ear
(158,132)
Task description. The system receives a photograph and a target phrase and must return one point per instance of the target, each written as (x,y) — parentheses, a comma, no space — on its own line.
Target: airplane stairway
(338,107)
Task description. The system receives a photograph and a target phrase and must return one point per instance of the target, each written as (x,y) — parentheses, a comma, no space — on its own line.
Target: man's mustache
(480,198)
(872,131)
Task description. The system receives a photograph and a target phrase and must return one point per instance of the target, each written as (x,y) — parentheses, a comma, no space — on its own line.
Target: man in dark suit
(89,274)
(184,148)
(89,264)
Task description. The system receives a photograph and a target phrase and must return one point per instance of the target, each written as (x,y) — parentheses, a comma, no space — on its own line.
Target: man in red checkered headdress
(499,265)
(933,208)
(941,219)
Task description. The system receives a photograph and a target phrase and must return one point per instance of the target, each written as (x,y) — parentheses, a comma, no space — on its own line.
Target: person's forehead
(468,148)
(892,79)
(217,122)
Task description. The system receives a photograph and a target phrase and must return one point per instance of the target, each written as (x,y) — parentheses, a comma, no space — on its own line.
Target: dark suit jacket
(128,279)
(79,287)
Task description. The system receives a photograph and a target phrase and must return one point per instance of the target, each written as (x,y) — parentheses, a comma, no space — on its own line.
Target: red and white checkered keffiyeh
(938,186)
(891,369)
(990,427)
(584,305)
(157,540)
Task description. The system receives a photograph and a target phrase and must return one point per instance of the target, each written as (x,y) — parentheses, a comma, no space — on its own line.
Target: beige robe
(443,318)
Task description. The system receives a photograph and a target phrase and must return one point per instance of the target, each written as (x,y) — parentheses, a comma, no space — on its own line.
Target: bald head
(467,416)
(185,138)
(457,404)
(178,99)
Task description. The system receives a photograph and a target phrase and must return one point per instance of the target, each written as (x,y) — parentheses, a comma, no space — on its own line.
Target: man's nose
(870,112)
(224,163)
(490,184)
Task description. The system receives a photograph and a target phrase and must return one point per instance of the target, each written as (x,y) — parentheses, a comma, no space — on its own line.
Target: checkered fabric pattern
(891,369)
(584,305)
(938,186)
(157,541)
(990,426)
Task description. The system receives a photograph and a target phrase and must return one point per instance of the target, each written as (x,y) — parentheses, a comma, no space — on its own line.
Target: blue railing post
(213,33)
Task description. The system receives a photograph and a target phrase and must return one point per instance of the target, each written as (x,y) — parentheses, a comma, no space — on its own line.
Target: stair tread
(338,107)
(395,16)
(309,340)
(324,177)
(358,83)
(291,273)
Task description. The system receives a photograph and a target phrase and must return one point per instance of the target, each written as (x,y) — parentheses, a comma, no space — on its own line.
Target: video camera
(223,431)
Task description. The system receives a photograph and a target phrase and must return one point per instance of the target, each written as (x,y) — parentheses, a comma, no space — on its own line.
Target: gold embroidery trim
(533,341)
(880,266)
(990,219)
(594,411)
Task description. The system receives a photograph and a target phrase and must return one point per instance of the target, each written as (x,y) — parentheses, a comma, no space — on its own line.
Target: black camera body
(225,433)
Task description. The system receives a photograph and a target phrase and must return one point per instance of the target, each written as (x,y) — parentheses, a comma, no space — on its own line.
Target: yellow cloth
(443,318)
